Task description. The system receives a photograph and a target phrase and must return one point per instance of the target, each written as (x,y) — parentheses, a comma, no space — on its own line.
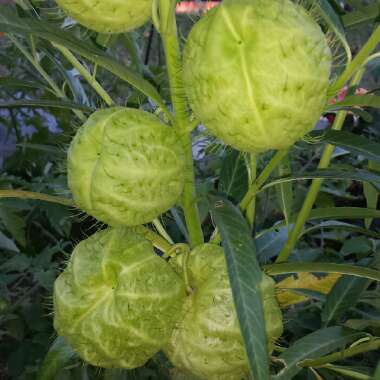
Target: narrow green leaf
(371,194)
(11,23)
(368,100)
(318,343)
(350,372)
(7,244)
(73,81)
(59,354)
(10,82)
(363,324)
(330,214)
(269,243)
(356,63)
(349,141)
(353,174)
(343,295)
(43,148)
(245,277)
(333,23)
(284,191)
(14,223)
(336,225)
(40,103)
(364,14)
(319,267)
(343,213)
(233,180)
(376,376)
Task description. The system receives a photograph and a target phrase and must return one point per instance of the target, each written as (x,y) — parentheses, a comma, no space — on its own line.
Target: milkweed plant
(253,78)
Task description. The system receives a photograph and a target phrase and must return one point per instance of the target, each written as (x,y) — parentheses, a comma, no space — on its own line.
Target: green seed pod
(116,303)
(256,73)
(125,167)
(207,341)
(111,16)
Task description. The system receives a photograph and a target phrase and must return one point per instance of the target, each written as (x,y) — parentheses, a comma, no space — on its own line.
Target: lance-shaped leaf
(361,15)
(59,354)
(14,83)
(352,174)
(284,191)
(40,103)
(371,194)
(233,180)
(368,100)
(349,141)
(320,267)
(336,225)
(245,276)
(333,22)
(318,343)
(344,294)
(11,23)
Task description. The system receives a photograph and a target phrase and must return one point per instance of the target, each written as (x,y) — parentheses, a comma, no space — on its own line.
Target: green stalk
(251,209)
(256,184)
(32,195)
(372,345)
(161,230)
(264,175)
(84,72)
(357,62)
(154,238)
(168,30)
(315,185)
(57,91)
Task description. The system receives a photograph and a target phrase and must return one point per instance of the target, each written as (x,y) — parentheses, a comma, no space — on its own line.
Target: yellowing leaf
(308,281)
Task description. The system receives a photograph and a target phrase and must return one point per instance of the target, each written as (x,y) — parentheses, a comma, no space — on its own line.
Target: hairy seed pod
(125,167)
(117,302)
(111,16)
(256,73)
(207,341)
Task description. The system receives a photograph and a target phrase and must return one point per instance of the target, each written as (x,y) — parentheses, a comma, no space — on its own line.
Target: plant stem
(161,230)
(251,209)
(315,184)
(168,31)
(57,91)
(373,344)
(32,195)
(84,72)
(317,267)
(255,186)
(186,278)
(311,195)
(154,238)
(357,62)
(264,175)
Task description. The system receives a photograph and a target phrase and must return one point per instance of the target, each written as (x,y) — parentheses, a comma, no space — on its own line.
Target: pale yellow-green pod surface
(125,167)
(108,16)
(256,73)
(117,302)
(207,341)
